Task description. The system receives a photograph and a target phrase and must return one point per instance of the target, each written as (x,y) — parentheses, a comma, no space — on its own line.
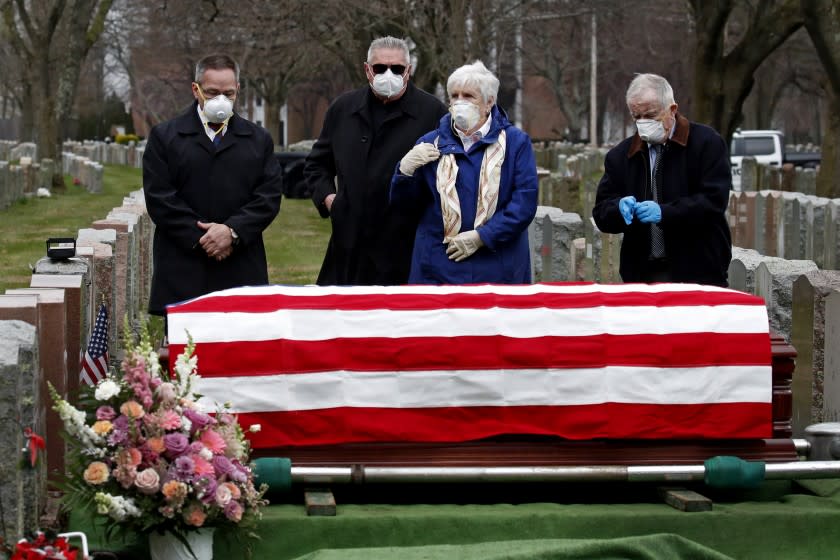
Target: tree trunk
(828,179)
(271,118)
(723,80)
(822,20)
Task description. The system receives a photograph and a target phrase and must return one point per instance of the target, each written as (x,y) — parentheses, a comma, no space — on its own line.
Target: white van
(766,146)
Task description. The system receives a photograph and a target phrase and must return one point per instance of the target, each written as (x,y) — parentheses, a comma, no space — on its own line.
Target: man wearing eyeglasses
(212,185)
(365,133)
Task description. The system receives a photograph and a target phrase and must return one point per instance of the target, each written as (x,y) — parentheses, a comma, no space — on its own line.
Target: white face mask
(651,130)
(387,84)
(218,109)
(465,115)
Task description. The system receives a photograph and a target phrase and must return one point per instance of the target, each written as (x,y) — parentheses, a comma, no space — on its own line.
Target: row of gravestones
(789,225)
(130,154)
(756,177)
(84,171)
(24,179)
(23,175)
(803,304)
(43,331)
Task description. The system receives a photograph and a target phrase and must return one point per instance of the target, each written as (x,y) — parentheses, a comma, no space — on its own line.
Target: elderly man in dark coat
(365,133)
(666,188)
(212,185)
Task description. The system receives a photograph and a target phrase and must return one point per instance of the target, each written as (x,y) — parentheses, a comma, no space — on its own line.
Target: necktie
(216,127)
(657,237)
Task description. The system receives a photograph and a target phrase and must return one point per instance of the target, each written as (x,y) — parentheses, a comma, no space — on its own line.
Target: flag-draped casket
(329,365)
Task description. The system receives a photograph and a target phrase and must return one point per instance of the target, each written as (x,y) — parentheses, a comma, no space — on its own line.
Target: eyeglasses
(212,92)
(397,69)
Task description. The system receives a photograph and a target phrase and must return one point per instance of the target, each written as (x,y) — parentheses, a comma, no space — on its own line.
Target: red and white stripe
(319,365)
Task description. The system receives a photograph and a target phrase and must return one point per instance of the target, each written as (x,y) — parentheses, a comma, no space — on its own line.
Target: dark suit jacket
(363,161)
(186,179)
(695,195)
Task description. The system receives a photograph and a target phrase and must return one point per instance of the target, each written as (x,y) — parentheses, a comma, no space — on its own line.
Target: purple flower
(205,489)
(223,466)
(175,444)
(199,419)
(239,473)
(105,413)
(119,435)
(184,466)
(196,447)
(233,511)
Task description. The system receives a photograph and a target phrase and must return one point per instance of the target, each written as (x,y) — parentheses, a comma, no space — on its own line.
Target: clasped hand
(217,240)
(463,245)
(647,211)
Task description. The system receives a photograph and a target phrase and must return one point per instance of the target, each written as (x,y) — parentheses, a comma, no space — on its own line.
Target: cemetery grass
(295,242)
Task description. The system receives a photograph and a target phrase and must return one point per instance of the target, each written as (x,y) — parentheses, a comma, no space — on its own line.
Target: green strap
(732,472)
(276,472)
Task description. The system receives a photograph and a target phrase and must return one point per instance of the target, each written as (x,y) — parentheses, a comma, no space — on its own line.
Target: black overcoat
(356,162)
(186,180)
(695,196)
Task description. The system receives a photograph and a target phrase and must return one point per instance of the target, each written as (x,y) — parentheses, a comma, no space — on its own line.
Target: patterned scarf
(488,187)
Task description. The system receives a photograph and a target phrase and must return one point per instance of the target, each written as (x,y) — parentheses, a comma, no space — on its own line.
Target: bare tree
(822,20)
(51,40)
(732,40)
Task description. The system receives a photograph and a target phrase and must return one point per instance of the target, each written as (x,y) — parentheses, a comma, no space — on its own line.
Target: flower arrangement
(143,455)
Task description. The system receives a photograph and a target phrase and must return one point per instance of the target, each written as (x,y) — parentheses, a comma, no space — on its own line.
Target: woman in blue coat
(476,179)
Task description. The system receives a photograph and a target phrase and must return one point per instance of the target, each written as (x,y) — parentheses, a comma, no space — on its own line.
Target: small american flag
(95,359)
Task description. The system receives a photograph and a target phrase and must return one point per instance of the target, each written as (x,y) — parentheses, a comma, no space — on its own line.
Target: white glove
(463,245)
(418,156)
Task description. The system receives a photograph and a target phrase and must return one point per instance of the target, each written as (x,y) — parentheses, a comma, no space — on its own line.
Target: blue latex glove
(649,212)
(626,206)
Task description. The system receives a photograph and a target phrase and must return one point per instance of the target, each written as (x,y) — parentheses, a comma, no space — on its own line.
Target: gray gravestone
(808,337)
(774,282)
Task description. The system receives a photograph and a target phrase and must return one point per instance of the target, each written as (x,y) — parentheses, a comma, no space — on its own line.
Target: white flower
(74,422)
(107,389)
(116,507)
(206,454)
(254,428)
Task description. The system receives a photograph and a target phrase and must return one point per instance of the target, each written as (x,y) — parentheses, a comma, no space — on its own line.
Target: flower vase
(166,546)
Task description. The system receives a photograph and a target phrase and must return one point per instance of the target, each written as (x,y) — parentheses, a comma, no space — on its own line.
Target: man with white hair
(666,188)
(475,180)
(365,133)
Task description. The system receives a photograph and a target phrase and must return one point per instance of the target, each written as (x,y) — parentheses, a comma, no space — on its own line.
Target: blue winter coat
(505,257)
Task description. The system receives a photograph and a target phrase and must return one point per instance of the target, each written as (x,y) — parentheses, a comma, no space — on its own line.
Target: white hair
(654,83)
(474,75)
(391,43)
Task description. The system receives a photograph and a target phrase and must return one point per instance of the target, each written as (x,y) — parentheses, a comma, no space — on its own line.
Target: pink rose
(223,495)
(105,413)
(147,481)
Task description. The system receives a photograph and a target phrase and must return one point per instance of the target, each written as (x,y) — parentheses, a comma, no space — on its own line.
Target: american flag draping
(324,365)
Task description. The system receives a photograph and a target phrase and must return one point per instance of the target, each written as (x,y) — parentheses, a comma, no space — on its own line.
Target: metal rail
(601,473)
